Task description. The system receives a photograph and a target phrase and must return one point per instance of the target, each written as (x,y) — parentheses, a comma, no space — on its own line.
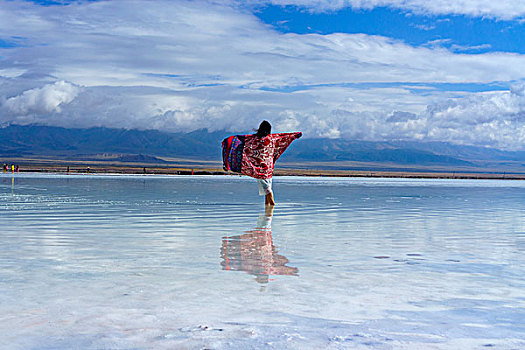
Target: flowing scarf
(255,156)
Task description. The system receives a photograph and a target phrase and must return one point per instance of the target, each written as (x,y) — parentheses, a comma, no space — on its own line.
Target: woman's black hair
(265,129)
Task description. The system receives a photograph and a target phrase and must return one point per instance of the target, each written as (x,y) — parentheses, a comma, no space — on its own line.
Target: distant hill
(17,140)
(145,146)
(366,151)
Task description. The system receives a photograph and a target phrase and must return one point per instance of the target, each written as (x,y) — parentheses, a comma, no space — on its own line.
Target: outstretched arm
(282,141)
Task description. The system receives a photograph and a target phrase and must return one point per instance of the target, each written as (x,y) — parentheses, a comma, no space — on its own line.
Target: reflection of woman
(254,252)
(255,155)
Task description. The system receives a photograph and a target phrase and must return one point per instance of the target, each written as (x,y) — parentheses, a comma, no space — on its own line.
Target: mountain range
(151,146)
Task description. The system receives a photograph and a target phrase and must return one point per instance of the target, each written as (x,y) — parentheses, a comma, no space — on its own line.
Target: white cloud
(465,48)
(426,27)
(43,100)
(185,65)
(106,43)
(496,119)
(503,9)
(11,72)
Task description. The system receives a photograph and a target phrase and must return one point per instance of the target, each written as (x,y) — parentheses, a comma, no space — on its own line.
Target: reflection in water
(254,252)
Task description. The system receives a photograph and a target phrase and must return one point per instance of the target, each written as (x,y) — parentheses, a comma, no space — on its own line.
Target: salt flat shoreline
(185,170)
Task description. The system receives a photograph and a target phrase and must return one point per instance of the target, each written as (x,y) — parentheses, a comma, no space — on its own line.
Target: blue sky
(458,33)
(445,70)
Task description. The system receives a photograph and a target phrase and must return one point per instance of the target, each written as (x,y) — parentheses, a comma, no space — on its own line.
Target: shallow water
(142,262)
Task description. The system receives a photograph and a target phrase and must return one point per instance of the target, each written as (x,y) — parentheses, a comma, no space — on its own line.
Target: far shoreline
(143,169)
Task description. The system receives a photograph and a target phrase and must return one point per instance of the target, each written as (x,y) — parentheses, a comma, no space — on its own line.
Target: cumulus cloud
(504,9)
(186,65)
(486,119)
(495,119)
(42,100)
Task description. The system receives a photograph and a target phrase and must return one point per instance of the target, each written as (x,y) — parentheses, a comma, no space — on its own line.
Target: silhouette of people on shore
(254,252)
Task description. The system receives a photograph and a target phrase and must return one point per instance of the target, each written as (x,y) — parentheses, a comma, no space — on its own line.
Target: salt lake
(194,262)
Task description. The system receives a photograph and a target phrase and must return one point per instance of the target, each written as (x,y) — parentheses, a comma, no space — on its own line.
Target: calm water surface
(143,262)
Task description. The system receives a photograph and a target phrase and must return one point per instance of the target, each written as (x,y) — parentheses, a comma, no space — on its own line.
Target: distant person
(12,168)
(68,169)
(17,168)
(5,168)
(88,170)
(255,155)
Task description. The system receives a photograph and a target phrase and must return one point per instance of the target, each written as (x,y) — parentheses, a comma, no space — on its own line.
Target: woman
(255,155)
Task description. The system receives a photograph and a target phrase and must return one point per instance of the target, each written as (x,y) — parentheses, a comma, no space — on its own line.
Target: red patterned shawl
(261,153)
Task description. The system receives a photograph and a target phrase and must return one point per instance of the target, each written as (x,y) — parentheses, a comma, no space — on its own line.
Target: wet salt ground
(140,262)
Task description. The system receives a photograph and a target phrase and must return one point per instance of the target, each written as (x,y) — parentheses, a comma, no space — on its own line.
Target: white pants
(265,186)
